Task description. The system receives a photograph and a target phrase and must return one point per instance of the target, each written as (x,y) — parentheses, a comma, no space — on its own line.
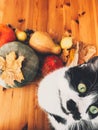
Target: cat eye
(82,88)
(93,109)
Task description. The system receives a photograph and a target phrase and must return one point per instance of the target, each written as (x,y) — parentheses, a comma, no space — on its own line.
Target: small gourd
(42,42)
(66,42)
(30,63)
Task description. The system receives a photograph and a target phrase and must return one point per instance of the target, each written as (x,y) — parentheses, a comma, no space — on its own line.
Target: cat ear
(93,63)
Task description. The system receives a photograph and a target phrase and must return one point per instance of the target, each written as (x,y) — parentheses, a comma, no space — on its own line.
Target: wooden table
(19,108)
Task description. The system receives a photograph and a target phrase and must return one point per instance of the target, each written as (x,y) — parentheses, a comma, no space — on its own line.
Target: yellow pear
(42,42)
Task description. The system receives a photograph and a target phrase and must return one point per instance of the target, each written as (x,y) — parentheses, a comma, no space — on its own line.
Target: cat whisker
(72,127)
(78,126)
(86,124)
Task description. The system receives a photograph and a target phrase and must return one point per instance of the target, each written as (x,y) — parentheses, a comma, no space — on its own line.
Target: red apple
(6,34)
(51,63)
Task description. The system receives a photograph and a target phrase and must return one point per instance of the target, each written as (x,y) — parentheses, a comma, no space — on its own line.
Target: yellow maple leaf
(11,68)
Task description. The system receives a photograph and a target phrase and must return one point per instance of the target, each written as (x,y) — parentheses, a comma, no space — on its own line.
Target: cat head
(80,97)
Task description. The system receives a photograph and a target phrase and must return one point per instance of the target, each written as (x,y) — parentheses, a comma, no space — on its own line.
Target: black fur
(58,118)
(72,107)
(87,74)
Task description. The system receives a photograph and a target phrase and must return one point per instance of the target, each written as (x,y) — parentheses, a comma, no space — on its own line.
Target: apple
(6,34)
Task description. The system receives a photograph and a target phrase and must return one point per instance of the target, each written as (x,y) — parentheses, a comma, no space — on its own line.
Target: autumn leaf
(11,68)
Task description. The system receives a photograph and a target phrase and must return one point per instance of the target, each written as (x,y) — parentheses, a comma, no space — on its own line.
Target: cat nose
(73,108)
(71,105)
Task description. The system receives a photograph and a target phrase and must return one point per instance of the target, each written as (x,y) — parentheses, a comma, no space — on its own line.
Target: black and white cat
(70,97)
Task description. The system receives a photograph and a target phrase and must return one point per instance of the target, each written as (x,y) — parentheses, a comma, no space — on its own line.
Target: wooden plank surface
(19,108)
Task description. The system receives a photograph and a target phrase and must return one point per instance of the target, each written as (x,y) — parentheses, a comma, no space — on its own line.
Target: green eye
(93,109)
(82,88)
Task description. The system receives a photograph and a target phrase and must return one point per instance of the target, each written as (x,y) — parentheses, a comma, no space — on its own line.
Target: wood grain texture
(19,109)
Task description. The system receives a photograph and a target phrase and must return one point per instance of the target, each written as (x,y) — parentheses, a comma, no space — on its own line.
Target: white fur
(48,98)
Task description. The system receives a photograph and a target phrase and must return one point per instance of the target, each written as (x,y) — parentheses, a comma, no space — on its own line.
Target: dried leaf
(86,52)
(91,50)
(2,63)
(64,55)
(73,57)
(11,68)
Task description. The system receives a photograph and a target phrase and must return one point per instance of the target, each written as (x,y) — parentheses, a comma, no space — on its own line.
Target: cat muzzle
(72,107)
(82,125)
